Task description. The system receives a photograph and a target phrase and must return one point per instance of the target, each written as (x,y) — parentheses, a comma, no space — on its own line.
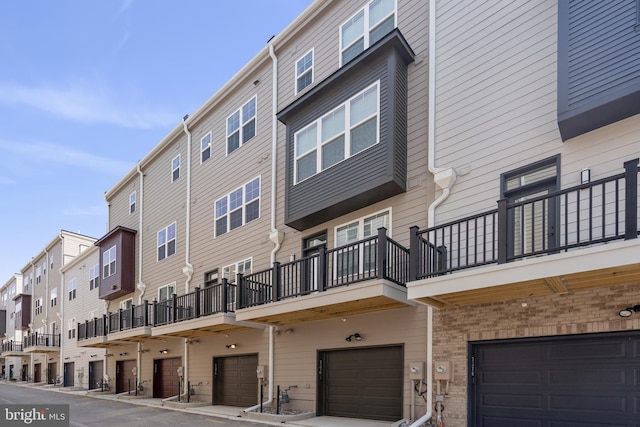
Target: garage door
(235,382)
(361,383)
(166,381)
(585,381)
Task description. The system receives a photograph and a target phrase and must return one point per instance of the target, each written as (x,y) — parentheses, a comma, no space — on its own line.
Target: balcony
(12,348)
(364,276)
(202,312)
(577,238)
(41,343)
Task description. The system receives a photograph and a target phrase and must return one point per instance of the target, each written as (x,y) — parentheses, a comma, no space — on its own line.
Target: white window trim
(132,204)
(38,306)
(72,287)
(95,272)
(123,303)
(208,147)
(225,271)
(167,240)
(173,169)
(111,261)
(173,285)
(242,123)
(367,28)
(310,70)
(53,297)
(245,202)
(347,135)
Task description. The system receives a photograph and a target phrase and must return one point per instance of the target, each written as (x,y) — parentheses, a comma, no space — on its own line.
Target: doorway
(95,374)
(52,372)
(37,373)
(125,377)
(166,377)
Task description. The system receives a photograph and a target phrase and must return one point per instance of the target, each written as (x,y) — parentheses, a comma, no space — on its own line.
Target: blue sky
(87,88)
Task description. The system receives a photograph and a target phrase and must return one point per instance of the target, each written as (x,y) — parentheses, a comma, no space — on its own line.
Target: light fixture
(123,354)
(288,331)
(231,346)
(94,355)
(626,312)
(164,351)
(355,336)
(585,176)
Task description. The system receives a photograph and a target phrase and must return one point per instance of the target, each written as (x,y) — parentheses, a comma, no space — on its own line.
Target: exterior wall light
(231,346)
(355,336)
(164,351)
(626,312)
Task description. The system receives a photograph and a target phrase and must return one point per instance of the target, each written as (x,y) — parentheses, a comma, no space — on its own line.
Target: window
(205,148)
(211,278)
(71,327)
(175,168)
(54,297)
(38,309)
(44,268)
(132,202)
(356,259)
(109,262)
(304,71)
(12,291)
(71,288)
(166,292)
(241,267)
(237,208)
(167,242)
(343,132)
(38,275)
(366,27)
(241,126)
(126,304)
(94,277)
(92,314)
(51,259)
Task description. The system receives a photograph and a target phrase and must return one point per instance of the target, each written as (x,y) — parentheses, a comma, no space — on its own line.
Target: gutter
(141,286)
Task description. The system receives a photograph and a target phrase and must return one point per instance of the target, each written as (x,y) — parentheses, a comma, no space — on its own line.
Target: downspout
(141,286)
(444,178)
(61,317)
(275,236)
(188,267)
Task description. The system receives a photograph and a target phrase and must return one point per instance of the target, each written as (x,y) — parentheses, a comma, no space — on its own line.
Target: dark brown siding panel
(123,281)
(375,174)
(3,322)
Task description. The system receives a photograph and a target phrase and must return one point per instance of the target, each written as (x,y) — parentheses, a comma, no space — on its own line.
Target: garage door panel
(510,354)
(581,381)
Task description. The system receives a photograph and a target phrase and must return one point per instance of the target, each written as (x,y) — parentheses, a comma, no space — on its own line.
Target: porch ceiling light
(164,351)
(231,346)
(626,312)
(355,336)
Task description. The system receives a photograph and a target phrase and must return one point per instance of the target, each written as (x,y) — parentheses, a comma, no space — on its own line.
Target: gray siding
(598,64)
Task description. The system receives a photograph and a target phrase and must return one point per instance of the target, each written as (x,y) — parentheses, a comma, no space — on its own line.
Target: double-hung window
(366,27)
(343,132)
(357,253)
(109,262)
(54,297)
(230,273)
(166,292)
(164,308)
(71,288)
(38,308)
(167,242)
(304,71)
(94,277)
(241,125)
(205,148)
(38,275)
(71,328)
(237,208)
(175,168)
(132,202)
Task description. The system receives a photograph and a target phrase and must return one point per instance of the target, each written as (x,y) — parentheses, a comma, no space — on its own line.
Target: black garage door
(361,383)
(581,381)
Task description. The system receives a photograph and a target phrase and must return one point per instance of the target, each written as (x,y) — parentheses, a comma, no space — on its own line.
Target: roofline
(290,30)
(52,243)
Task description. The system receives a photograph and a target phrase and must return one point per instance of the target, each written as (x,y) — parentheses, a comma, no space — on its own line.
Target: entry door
(69,374)
(95,374)
(125,380)
(37,372)
(166,380)
(52,372)
(235,382)
(310,249)
(532,224)
(25,372)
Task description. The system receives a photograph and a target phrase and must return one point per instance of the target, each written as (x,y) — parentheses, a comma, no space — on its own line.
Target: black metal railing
(41,340)
(376,257)
(96,327)
(593,213)
(11,346)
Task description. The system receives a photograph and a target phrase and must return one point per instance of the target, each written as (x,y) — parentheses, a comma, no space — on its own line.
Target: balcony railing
(588,214)
(11,346)
(376,257)
(41,340)
(202,302)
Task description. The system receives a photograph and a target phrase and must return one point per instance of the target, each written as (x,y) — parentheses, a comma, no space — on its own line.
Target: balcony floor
(359,298)
(41,349)
(202,326)
(602,266)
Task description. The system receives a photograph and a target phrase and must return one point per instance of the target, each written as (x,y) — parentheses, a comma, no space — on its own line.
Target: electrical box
(180,371)
(443,370)
(416,370)
(261,372)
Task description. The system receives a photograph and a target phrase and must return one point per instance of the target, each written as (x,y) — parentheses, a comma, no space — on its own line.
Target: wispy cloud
(85,104)
(62,155)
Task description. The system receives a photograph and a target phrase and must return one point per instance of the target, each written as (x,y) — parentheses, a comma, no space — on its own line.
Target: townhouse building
(12,357)
(531,254)
(261,248)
